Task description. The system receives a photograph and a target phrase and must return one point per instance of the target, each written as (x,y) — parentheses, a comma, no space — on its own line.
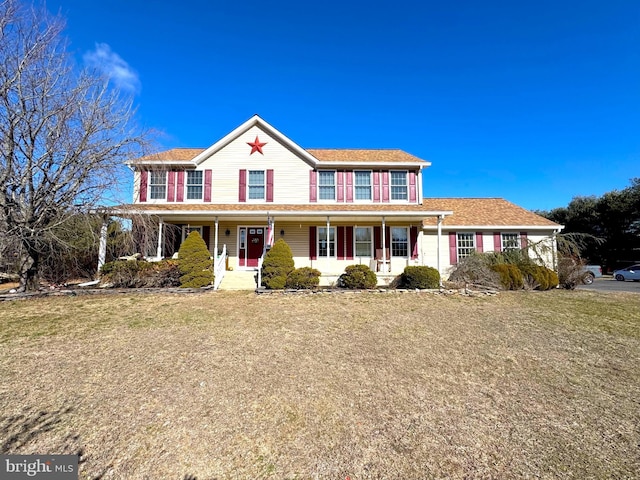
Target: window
(187,229)
(322,241)
(466,245)
(364,243)
(399,186)
(327,185)
(158,185)
(243,237)
(399,242)
(194,185)
(510,241)
(256,184)
(363,185)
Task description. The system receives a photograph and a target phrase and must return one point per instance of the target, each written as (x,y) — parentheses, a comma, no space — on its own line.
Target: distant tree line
(611,224)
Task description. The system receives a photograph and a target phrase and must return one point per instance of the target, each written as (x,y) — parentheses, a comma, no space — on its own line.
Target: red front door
(255,245)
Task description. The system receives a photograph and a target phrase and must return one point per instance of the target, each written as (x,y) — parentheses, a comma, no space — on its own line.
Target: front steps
(239,280)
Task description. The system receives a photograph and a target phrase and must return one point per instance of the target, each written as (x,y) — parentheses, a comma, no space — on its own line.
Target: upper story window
(466,245)
(326,185)
(510,241)
(399,185)
(157,185)
(256,185)
(194,185)
(362,185)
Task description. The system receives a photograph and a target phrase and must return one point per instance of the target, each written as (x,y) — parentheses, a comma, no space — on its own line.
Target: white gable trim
(273,132)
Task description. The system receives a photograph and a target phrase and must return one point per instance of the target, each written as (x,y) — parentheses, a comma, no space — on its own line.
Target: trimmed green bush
(358,276)
(510,276)
(305,278)
(195,262)
(138,274)
(277,265)
(420,277)
(534,276)
(552,278)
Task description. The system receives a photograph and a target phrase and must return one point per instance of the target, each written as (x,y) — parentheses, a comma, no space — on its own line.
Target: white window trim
(458,247)
(406,178)
(335,187)
(319,237)
(360,200)
(390,240)
(149,185)
(371,249)
(264,176)
(186,187)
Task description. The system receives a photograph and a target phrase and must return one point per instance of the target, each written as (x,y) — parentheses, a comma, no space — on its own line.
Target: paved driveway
(608,284)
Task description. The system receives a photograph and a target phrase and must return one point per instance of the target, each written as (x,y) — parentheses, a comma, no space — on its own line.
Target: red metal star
(256,146)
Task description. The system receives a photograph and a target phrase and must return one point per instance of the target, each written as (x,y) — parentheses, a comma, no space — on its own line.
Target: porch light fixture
(282,232)
(227,232)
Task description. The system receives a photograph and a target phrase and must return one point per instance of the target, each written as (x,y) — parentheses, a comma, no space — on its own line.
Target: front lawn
(415,385)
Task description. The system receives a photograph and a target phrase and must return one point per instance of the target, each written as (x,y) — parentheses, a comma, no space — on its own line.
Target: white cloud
(112,65)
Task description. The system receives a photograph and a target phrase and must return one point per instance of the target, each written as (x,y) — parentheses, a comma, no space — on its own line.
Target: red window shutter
(524,241)
(376,186)
(385,186)
(144,178)
(270,185)
(312,243)
(377,238)
(349,240)
(341,186)
(207,185)
(206,235)
(412,187)
(453,251)
(413,236)
(479,242)
(340,243)
(349,186)
(242,186)
(180,187)
(313,186)
(497,242)
(171,187)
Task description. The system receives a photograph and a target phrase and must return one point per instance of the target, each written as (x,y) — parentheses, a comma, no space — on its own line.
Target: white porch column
(215,241)
(440,217)
(384,247)
(102,251)
(328,247)
(159,250)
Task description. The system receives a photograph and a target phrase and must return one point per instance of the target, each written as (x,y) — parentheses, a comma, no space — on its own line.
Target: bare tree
(65,133)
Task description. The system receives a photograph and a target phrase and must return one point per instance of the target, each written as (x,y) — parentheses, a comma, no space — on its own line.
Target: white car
(629,273)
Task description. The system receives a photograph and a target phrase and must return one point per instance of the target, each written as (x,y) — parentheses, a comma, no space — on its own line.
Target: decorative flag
(270,240)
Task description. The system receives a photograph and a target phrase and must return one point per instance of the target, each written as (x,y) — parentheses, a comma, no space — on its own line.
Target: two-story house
(333,207)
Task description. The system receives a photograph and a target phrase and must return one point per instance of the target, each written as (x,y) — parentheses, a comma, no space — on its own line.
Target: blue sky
(535,102)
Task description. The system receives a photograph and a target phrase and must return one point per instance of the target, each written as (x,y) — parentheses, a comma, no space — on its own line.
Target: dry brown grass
(230,385)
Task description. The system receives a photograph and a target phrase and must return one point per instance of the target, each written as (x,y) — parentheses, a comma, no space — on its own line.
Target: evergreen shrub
(358,276)
(420,277)
(194,261)
(139,274)
(510,276)
(305,278)
(277,265)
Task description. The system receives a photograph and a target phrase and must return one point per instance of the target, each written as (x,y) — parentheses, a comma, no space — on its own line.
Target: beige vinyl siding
(291,174)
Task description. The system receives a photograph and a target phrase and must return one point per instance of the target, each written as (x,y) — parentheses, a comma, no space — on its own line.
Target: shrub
(358,276)
(552,278)
(194,260)
(510,276)
(277,265)
(534,276)
(570,272)
(475,269)
(304,278)
(420,277)
(138,274)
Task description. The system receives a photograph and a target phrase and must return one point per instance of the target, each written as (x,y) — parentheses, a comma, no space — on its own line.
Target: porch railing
(220,267)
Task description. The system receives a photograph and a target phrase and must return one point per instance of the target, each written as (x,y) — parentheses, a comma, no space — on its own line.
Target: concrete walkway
(238,280)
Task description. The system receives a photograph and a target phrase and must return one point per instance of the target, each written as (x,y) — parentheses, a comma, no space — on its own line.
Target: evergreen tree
(194,261)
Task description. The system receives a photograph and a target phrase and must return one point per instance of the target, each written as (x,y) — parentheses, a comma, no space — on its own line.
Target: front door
(255,245)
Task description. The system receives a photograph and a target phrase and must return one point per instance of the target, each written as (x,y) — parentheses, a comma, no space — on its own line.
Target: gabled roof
(365,155)
(484,212)
(175,154)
